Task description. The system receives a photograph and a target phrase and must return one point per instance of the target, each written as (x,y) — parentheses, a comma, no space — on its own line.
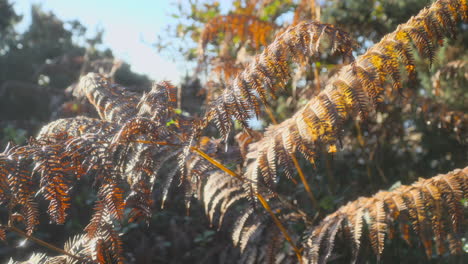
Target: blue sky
(129,26)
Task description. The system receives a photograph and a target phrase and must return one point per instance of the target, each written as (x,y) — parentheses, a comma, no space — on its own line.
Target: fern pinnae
(435,205)
(226,205)
(272,65)
(314,242)
(453,196)
(113,103)
(251,233)
(382,208)
(378,227)
(240,225)
(218,200)
(424,223)
(318,121)
(356,222)
(330,242)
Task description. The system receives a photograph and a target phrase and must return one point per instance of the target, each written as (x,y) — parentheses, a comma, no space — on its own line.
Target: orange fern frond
(124,145)
(112,102)
(246,27)
(354,91)
(432,207)
(270,71)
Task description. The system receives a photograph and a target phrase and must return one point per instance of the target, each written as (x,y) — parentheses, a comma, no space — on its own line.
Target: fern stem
(237,176)
(216,163)
(304,181)
(258,195)
(270,114)
(45,244)
(280,226)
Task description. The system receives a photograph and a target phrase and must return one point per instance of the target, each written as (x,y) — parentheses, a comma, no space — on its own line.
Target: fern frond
(159,103)
(353,91)
(270,70)
(433,205)
(246,27)
(123,145)
(56,180)
(112,102)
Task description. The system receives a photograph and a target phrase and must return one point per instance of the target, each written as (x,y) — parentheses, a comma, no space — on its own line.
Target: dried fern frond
(246,27)
(269,71)
(112,102)
(431,207)
(123,153)
(227,205)
(354,91)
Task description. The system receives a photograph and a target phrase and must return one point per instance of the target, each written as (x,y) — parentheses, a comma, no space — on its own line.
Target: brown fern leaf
(31,213)
(132,142)
(246,27)
(353,91)
(112,195)
(97,219)
(107,246)
(433,205)
(56,180)
(159,103)
(220,193)
(112,102)
(19,177)
(87,250)
(270,70)
(4,184)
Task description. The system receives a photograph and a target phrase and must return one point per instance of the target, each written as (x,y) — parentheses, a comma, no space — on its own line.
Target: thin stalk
(258,195)
(304,181)
(270,114)
(280,226)
(237,176)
